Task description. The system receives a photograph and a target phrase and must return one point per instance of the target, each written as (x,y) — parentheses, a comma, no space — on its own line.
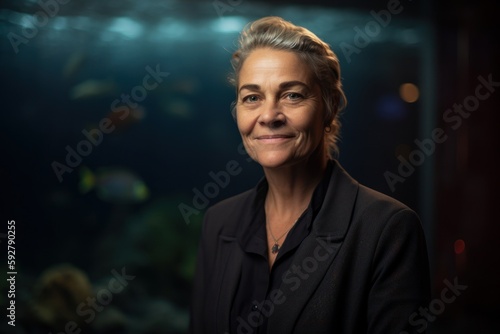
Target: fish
(188,86)
(114,185)
(179,108)
(124,120)
(93,88)
(74,64)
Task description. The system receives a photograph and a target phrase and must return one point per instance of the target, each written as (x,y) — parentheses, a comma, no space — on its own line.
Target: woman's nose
(272,115)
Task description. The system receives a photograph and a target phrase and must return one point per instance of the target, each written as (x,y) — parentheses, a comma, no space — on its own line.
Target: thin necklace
(276,247)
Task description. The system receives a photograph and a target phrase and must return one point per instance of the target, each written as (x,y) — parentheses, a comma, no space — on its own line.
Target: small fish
(93,88)
(125,119)
(74,64)
(179,108)
(122,120)
(115,185)
(187,86)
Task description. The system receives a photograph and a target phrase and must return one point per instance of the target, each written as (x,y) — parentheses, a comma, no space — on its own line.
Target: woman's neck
(291,187)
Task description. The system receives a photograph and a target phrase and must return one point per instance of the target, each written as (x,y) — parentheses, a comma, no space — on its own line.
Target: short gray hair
(275,33)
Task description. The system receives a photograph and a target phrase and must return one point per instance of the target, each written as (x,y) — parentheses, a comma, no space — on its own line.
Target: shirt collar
(252,233)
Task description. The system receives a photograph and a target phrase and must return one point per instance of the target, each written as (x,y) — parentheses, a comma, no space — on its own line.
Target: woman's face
(279,110)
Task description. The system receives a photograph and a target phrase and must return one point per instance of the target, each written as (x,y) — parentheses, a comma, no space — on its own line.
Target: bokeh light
(459,246)
(409,92)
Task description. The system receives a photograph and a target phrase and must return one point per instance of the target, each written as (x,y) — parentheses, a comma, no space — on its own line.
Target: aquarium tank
(117,135)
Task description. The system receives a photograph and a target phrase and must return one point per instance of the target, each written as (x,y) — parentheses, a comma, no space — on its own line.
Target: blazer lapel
(317,252)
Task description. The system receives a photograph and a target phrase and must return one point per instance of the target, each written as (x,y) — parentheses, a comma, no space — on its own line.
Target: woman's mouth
(273,139)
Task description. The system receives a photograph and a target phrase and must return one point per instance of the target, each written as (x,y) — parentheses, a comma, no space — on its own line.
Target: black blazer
(364,266)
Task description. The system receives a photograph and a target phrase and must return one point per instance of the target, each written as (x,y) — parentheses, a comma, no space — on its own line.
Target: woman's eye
(251,98)
(293,96)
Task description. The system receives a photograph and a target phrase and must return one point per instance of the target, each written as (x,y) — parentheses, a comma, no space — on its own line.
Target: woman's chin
(274,160)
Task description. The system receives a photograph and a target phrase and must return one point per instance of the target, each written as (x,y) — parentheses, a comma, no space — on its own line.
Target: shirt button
(255,308)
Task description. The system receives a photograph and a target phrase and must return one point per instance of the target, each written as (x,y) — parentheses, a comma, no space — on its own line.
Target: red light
(459,246)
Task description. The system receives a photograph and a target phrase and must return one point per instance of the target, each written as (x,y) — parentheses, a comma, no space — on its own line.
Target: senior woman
(309,249)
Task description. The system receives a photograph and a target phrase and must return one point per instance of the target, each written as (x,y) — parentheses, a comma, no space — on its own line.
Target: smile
(273,139)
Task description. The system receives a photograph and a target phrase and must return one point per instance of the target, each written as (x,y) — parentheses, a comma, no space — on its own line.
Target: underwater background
(116,135)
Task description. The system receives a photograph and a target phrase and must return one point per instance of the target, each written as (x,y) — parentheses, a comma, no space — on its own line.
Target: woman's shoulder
(371,198)
(379,212)
(366,199)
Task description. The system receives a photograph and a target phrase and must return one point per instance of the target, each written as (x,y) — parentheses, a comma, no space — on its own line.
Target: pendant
(275,249)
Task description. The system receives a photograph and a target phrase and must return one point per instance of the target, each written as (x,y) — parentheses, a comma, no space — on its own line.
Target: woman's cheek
(244,125)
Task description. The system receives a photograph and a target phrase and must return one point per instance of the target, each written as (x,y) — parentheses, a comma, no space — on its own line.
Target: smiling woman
(309,249)
(279,110)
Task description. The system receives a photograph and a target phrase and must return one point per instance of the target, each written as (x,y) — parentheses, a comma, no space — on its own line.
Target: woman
(308,250)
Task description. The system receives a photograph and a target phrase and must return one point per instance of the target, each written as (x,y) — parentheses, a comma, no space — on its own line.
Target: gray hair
(276,33)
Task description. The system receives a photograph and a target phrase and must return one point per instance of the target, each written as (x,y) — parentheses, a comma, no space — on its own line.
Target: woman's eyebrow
(252,87)
(282,86)
(289,84)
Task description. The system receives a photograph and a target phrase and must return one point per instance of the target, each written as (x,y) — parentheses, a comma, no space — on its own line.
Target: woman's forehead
(274,66)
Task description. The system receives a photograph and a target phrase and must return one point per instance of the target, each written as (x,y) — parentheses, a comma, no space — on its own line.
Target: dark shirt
(252,303)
